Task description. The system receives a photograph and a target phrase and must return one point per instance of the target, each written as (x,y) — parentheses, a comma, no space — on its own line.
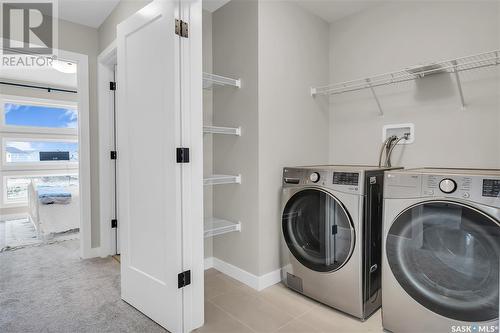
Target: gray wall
(235,54)
(399,35)
(293,127)
(125,8)
(207,120)
(281,124)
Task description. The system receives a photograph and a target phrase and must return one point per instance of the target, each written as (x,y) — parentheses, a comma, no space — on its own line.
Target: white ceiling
(213,5)
(93,12)
(87,12)
(334,10)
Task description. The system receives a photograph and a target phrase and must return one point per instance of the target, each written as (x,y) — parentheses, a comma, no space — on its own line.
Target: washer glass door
(445,255)
(318,230)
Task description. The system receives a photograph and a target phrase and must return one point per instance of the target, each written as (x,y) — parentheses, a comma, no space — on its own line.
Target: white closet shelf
(209,80)
(222,130)
(221,179)
(453,66)
(215,226)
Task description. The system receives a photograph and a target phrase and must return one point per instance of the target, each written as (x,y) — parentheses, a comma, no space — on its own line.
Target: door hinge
(181,28)
(112,86)
(184,279)
(113,155)
(114,223)
(182,155)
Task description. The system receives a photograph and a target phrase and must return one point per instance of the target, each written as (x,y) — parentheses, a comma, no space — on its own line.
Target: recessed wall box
(399,130)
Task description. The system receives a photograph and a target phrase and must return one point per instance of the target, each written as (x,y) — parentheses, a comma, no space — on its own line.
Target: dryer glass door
(317,230)
(446,256)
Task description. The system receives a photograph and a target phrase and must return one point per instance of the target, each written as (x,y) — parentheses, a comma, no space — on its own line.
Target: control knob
(448,185)
(314,177)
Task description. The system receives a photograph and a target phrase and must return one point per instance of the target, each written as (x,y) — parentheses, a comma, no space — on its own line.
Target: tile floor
(230,306)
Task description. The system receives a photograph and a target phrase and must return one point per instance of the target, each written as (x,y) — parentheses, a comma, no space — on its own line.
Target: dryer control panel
(466,185)
(338,180)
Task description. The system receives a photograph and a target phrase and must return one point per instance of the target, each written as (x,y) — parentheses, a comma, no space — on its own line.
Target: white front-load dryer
(441,251)
(331,235)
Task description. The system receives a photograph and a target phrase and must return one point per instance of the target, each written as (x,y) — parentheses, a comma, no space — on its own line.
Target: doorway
(44,168)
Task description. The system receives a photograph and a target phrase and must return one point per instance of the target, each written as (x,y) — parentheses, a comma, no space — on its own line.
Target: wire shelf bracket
(210,80)
(453,66)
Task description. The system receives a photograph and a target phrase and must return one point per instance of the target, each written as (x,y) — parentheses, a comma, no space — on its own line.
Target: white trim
(253,281)
(94,252)
(105,69)
(209,263)
(191,69)
(18,216)
(82,62)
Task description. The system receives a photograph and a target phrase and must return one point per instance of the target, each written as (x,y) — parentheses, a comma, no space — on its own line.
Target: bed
(53,209)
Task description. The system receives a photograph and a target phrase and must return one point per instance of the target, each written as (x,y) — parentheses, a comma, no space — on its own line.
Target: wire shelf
(215,226)
(221,180)
(454,66)
(222,130)
(210,80)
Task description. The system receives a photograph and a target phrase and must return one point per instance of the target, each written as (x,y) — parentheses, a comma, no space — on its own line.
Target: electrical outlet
(399,130)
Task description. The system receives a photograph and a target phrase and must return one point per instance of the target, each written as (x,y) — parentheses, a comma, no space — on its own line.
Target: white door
(149,182)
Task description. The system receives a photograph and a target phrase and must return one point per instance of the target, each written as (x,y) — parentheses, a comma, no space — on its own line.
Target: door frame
(106,61)
(86,249)
(192,173)
(84,178)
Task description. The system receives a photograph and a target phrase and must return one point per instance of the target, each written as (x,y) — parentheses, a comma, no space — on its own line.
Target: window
(17,187)
(17,190)
(39,116)
(36,151)
(38,140)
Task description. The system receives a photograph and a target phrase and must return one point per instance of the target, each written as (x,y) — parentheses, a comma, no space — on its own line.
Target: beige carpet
(49,289)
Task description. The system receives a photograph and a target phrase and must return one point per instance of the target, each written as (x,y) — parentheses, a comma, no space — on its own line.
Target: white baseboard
(209,263)
(19,216)
(94,252)
(253,281)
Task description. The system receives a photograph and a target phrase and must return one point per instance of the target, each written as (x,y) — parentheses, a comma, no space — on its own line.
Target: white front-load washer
(441,250)
(331,235)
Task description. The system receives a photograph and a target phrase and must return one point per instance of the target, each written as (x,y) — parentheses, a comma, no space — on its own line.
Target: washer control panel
(314,177)
(438,185)
(346,178)
(338,180)
(447,185)
(474,188)
(471,185)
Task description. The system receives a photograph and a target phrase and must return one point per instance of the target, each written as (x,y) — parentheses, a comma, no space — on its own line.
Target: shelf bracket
(459,84)
(375,97)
